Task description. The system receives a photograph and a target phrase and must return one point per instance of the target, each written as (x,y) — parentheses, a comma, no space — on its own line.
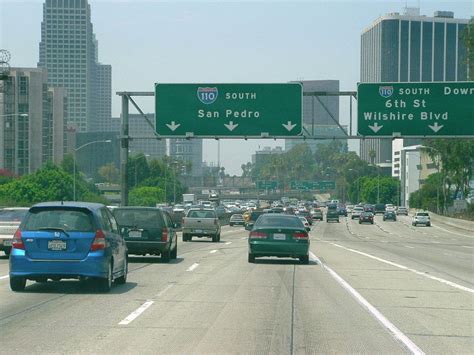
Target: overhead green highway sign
(416,109)
(228,110)
(266,184)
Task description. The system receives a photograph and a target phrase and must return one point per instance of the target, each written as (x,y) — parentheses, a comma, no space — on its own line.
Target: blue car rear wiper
(54,229)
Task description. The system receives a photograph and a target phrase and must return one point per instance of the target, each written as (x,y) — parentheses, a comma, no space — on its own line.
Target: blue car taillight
(17,241)
(99,241)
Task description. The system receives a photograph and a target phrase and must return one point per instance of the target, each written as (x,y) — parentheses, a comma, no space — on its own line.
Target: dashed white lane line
(446,282)
(448,231)
(244,238)
(407,246)
(135,314)
(228,243)
(213,251)
(464,246)
(396,333)
(4,277)
(192,267)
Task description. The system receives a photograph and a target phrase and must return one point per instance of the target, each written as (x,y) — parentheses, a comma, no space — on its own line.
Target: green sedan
(279,235)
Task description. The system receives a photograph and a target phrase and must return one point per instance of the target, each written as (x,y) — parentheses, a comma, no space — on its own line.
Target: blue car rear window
(67,219)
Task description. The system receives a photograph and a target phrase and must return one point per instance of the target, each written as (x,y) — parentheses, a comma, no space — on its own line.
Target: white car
(10,219)
(356,212)
(421,218)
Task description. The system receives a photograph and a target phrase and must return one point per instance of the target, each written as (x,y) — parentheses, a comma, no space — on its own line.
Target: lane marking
(393,330)
(192,267)
(446,282)
(159,294)
(132,316)
(4,277)
(466,246)
(407,246)
(243,238)
(228,243)
(213,251)
(446,230)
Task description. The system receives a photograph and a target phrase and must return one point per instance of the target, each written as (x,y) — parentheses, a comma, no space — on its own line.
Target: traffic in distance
(168,255)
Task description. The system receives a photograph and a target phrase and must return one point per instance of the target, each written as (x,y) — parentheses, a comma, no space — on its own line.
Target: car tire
(17,284)
(123,279)
(219,238)
(304,259)
(214,238)
(231,224)
(360,222)
(428,224)
(174,252)
(185,238)
(105,284)
(7,252)
(413,224)
(166,256)
(251,258)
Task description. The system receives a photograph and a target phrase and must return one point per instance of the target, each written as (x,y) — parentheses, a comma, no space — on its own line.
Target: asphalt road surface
(382,288)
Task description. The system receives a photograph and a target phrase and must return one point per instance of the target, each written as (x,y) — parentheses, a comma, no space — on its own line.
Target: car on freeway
(10,219)
(202,222)
(148,230)
(332,213)
(317,214)
(68,240)
(402,211)
(342,211)
(421,218)
(306,223)
(390,215)
(252,219)
(349,208)
(356,212)
(366,217)
(369,208)
(236,219)
(306,214)
(389,207)
(379,208)
(279,235)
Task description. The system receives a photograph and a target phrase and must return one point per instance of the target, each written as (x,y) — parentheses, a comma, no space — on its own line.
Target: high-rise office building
(188,151)
(320,113)
(32,121)
(139,127)
(410,48)
(69,51)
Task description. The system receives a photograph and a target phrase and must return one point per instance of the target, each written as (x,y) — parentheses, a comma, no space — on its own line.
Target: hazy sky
(219,41)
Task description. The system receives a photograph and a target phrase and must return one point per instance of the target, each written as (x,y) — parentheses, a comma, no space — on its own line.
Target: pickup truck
(202,222)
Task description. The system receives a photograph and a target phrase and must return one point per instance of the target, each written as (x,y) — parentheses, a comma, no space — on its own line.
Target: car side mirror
(249,227)
(308,229)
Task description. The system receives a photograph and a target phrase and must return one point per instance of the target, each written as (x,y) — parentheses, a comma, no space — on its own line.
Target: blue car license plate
(56,245)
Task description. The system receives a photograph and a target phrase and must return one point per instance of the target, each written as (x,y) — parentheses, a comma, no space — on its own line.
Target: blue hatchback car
(68,240)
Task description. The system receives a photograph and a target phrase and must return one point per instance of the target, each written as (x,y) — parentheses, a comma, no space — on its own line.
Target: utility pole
(124,153)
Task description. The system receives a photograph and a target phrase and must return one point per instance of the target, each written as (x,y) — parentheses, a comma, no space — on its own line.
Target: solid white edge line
(4,277)
(132,316)
(452,284)
(395,332)
(228,243)
(192,267)
(213,251)
(448,231)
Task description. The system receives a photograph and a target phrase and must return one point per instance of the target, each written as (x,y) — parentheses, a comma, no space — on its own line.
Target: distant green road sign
(266,184)
(313,185)
(416,109)
(228,110)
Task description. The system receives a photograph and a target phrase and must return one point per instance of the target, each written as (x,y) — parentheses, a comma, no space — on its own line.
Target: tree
(50,183)
(109,173)
(146,196)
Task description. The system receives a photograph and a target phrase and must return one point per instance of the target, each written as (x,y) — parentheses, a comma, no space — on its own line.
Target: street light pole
(74,164)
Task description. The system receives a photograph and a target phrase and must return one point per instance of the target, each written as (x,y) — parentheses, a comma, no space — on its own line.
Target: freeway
(382,288)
